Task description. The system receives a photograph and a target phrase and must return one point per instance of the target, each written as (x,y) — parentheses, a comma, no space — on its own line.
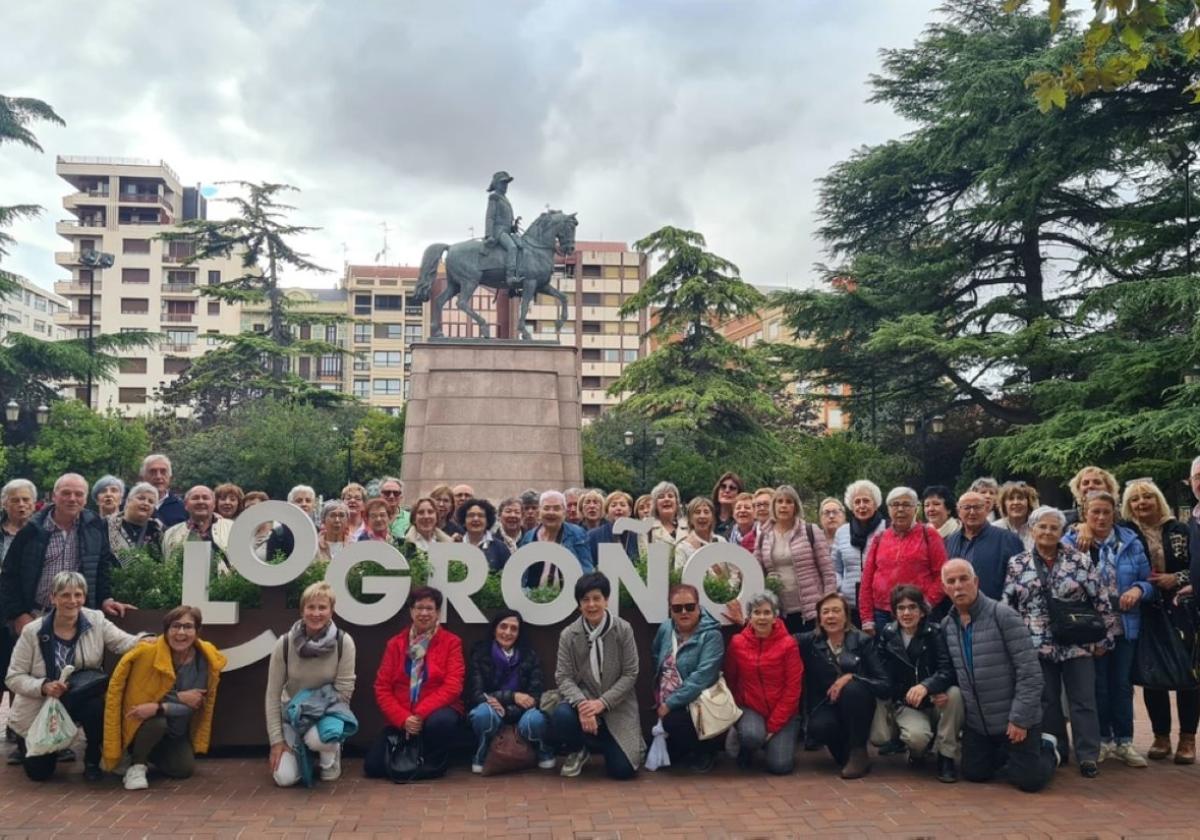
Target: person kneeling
(923,697)
(160,701)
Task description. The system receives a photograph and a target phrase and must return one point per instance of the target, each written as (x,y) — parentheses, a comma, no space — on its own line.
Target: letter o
(241,538)
(514,594)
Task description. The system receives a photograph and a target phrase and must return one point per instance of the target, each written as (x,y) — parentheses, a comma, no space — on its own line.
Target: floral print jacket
(1073,577)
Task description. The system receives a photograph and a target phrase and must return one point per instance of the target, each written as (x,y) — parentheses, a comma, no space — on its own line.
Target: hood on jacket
(778,631)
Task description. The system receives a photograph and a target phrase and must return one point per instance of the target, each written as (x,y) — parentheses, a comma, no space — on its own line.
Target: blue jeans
(571,736)
(1114,692)
(486,723)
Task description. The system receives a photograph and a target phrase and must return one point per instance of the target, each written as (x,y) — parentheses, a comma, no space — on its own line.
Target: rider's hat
(499,177)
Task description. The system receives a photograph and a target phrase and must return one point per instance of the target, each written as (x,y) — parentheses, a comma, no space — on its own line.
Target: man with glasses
(986,547)
(391,490)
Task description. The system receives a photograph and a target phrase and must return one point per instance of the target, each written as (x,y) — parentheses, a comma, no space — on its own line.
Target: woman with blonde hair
(1089,480)
(643,506)
(795,553)
(702,517)
(1016,501)
(617,505)
(443,498)
(591,509)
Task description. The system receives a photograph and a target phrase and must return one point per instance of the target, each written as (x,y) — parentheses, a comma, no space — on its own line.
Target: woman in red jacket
(907,551)
(763,670)
(419,685)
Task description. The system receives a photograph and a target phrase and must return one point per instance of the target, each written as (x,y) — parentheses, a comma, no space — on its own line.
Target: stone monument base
(501,416)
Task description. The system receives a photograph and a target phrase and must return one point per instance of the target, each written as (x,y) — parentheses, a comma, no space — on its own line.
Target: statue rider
(501,228)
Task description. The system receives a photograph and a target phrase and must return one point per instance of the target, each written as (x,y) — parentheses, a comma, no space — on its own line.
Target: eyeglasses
(391,493)
(182,628)
(683,608)
(900,505)
(972,508)
(831,512)
(729,486)
(424,609)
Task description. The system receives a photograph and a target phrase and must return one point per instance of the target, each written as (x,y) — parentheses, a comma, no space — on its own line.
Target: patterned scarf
(669,679)
(1108,560)
(310,648)
(595,638)
(418,646)
(507,667)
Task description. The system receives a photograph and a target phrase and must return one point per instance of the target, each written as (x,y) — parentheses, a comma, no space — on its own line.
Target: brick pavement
(234,797)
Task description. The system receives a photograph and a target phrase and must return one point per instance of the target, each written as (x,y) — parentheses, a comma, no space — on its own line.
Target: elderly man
(982,544)
(202,523)
(156,469)
(391,490)
(1001,684)
(552,508)
(62,537)
(461,493)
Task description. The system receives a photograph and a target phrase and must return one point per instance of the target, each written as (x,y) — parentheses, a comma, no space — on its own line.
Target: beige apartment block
(119,206)
(31,311)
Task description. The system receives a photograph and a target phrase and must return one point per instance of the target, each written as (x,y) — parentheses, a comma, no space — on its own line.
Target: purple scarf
(506,667)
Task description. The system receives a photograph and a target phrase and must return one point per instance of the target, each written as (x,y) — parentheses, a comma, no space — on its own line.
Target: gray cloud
(711,115)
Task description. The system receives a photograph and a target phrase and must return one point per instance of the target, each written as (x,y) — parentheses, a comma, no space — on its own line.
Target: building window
(591,271)
(612,355)
(591,328)
(413,311)
(135,306)
(592,299)
(412,333)
(131,395)
(362,388)
(175,365)
(386,387)
(305,367)
(131,366)
(407,388)
(386,358)
(361,363)
(395,302)
(83,333)
(85,275)
(135,275)
(181,337)
(590,354)
(214,339)
(260,328)
(135,246)
(362,304)
(362,333)
(180,277)
(629,355)
(391,331)
(629,328)
(331,365)
(331,333)
(214,307)
(214,278)
(590,382)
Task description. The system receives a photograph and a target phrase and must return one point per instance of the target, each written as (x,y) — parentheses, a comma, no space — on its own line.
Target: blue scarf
(507,676)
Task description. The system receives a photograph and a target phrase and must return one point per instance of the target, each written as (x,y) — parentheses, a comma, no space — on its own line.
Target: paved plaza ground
(234,798)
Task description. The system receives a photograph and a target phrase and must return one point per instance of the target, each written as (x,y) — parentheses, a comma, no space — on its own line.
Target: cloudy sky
(716,116)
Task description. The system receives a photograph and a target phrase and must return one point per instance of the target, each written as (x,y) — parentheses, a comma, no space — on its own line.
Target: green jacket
(698,660)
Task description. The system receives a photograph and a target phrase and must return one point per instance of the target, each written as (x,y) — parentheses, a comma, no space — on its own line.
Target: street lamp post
(97,261)
(631,439)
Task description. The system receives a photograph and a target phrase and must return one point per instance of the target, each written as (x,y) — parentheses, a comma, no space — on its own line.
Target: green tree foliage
(77,439)
(378,444)
(824,465)
(966,248)
(600,470)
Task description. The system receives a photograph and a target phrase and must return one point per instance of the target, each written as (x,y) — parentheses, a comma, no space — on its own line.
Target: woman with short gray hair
(17,499)
(1054,571)
(68,634)
(864,521)
(135,527)
(762,668)
(908,551)
(108,493)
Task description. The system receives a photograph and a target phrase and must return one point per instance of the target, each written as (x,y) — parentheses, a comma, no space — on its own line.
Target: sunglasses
(730,486)
(683,608)
(390,493)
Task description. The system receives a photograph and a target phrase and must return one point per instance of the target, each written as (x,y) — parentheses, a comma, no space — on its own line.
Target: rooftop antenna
(383,253)
(471,230)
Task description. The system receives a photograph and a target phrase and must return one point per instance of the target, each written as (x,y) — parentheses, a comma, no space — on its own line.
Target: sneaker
(1051,740)
(1088,769)
(545,762)
(573,766)
(135,777)
(92,772)
(1107,750)
(476,768)
(1130,756)
(15,757)
(333,771)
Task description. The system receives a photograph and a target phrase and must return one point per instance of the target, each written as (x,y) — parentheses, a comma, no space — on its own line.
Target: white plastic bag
(52,730)
(658,755)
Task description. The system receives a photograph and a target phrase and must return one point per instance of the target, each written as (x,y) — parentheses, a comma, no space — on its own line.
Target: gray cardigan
(1005,683)
(573,673)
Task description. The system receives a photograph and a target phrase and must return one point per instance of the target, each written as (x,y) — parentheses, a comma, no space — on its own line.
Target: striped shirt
(62,555)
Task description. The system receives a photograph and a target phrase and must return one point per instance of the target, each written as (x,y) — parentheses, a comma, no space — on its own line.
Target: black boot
(946,770)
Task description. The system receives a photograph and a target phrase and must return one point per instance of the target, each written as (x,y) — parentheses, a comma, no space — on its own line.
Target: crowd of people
(988,634)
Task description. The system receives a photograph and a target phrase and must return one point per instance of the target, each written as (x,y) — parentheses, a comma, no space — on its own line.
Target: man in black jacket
(924,697)
(65,536)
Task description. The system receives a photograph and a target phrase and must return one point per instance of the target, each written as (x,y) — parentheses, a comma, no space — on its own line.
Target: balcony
(179,288)
(73,318)
(178,257)
(68,227)
(178,317)
(143,198)
(70,287)
(66,257)
(174,347)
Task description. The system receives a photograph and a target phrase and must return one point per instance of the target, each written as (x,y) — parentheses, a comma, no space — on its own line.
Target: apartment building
(768,325)
(119,206)
(31,311)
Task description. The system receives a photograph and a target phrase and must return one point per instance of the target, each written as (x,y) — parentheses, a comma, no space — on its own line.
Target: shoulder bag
(508,753)
(1071,622)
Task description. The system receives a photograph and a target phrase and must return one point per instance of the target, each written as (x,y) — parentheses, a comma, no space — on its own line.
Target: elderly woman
(644,507)
(1125,573)
(724,494)
(443,497)
(794,552)
(618,504)
(923,698)
(906,552)
(596,672)
(938,505)
(135,527)
(419,686)
(832,515)
(334,535)
(688,651)
(863,499)
(702,517)
(843,678)
(553,527)
(745,530)
(505,687)
(263,532)
(668,526)
(591,509)
(160,702)
(1017,500)
(762,507)
(1166,542)
(378,520)
(478,518)
(107,493)
(17,499)
(69,634)
(424,531)
(230,499)
(315,659)
(764,672)
(355,496)
(1055,570)
(281,539)
(508,523)
(989,488)
(1089,480)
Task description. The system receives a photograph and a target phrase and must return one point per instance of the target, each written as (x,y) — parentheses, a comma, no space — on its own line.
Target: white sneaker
(333,771)
(477,768)
(1132,758)
(547,763)
(574,764)
(1107,750)
(135,777)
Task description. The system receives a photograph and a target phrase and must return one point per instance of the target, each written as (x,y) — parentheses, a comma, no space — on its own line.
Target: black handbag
(1071,622)
(406,760)
(84,684)
(1165,656)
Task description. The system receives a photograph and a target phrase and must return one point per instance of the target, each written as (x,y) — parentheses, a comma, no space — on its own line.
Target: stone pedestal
(501,416)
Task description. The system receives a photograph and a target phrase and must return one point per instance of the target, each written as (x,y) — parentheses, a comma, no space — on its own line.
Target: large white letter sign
(649,595)
(394,589)
(514,594)
(458,592)
(197,566)
(697,566)
(241,538)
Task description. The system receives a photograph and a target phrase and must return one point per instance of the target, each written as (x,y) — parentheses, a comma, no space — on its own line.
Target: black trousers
(1029,765)
(844,725)
(682,740)
(437,737)
(795,623)
(88,714)
(1158,707)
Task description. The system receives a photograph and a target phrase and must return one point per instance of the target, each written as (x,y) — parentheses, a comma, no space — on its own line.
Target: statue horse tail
(429,266)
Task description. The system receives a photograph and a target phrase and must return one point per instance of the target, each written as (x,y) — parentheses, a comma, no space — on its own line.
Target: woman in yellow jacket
(160,701)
